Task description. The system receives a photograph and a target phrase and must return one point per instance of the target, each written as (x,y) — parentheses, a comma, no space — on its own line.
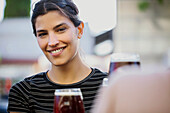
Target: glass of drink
(123,59)
(68,101)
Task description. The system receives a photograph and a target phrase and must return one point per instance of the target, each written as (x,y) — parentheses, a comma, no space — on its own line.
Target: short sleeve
(18,99)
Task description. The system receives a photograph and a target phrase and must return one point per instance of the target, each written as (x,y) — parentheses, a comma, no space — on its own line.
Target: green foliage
(160,1)
(17,8)
(144,5)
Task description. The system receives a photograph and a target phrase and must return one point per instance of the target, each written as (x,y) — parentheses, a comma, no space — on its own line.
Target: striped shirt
(35,94)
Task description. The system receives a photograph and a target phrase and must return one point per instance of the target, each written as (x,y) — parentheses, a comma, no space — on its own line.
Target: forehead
(51,19)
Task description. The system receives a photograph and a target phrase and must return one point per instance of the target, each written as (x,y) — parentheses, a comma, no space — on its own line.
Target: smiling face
(58,37)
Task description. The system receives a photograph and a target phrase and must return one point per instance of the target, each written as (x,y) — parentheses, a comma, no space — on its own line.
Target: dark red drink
(116,65)
(123,59)
(68,102)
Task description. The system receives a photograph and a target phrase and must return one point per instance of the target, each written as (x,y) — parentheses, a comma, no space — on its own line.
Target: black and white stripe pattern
(35,94)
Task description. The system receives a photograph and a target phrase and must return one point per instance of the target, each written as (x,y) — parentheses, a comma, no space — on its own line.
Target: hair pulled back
(65,7)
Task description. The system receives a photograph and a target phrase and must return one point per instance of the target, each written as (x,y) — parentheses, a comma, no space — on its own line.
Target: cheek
(70,37)
(41,43)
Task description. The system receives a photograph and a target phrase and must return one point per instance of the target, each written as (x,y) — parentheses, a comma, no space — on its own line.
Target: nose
(53,39)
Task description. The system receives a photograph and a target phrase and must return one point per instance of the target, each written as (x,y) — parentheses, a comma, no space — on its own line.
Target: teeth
(56,51)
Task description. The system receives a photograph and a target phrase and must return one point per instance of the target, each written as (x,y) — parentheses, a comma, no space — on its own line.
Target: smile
(58,50)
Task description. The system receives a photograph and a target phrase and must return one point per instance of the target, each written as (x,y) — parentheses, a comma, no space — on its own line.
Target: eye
(61,30)
(42,34)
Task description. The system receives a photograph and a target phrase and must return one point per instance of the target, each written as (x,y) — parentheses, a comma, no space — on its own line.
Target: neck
(72,72)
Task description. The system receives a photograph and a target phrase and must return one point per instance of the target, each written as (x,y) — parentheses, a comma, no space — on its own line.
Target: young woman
(58,31)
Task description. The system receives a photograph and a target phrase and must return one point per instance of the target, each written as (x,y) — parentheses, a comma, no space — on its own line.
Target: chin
(61,63)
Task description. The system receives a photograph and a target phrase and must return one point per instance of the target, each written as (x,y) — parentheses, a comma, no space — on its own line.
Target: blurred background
(132,26)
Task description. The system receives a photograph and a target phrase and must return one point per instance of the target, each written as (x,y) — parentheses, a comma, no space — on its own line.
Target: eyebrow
(57,26)
(41,31)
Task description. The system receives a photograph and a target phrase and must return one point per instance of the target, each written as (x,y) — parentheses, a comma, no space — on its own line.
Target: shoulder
(19,96)
(36,77)
(98,72)
(97,75)
(25,84)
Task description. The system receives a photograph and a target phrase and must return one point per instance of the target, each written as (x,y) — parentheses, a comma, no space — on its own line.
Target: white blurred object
(104,48)
(105,82)
(100,14)
(2,7)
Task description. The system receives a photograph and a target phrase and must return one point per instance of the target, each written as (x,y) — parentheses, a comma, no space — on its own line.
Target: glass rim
(125,57)
(68,91)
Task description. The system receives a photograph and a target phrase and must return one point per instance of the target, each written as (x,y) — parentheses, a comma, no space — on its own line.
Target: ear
(80,30)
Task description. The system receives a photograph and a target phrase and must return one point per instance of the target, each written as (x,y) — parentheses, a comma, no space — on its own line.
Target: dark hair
(66,7)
